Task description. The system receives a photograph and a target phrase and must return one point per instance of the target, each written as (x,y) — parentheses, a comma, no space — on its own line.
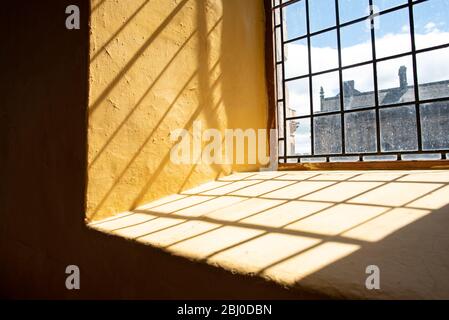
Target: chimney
(348,88)
(403,77)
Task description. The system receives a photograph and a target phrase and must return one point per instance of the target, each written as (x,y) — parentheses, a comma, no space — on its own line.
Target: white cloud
(296,64)
(434,66)
(405,28)
(302,143)
(431,27)
(324,58)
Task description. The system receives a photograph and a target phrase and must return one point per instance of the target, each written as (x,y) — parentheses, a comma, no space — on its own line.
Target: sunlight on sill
(287,226)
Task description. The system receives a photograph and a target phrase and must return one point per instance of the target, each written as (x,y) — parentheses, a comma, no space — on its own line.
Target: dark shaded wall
(44,79)
(43,143)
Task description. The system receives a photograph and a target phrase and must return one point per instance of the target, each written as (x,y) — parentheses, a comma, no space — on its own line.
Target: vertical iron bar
(284,104)
(309,57)
(415,74)
(340,74)
(376,87)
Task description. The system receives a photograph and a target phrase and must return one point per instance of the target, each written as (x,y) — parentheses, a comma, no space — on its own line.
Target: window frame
(272,64)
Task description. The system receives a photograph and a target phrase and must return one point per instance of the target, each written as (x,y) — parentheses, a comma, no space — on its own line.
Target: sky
(392,37)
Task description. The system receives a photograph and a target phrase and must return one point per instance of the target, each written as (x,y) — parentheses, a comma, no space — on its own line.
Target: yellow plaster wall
(159,65)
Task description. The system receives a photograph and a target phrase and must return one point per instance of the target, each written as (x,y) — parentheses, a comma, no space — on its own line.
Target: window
(362,80)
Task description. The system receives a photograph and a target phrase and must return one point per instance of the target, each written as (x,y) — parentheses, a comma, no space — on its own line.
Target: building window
(362,80)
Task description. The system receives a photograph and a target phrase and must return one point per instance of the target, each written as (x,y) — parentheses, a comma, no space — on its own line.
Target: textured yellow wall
(159,65)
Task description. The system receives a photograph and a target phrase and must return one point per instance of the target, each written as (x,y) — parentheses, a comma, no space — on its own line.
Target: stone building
(398,125)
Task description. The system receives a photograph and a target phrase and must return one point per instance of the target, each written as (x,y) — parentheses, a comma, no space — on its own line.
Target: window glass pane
(281,119)
(324,51)
(344,159)
(398,129)
(281,148)
(387,4)
(297,97)
(313,160)
(395,81)
(279,79)
(327,134)
(358,87)
(278,45)
(353,9)
(277,17)
(322,14)
(295,23)
(326,92)
(356,43)
(435,125)
(393,33)
(431,23)
(298,137)
(433,74)
(415,157)
(360,132)
(296,59)
(380,158)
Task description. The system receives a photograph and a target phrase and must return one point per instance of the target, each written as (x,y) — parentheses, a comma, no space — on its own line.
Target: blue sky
(322,16)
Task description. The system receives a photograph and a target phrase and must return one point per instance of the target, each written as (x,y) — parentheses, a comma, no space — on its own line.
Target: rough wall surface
(160,65)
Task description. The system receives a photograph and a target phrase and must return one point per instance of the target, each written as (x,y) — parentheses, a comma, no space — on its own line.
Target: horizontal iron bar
(411,103)
(359,64)
(384,153)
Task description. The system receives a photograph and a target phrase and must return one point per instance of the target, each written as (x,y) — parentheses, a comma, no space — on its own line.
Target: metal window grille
(315,121)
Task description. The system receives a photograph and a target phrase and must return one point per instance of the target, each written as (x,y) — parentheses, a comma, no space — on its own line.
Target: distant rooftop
(353,98)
